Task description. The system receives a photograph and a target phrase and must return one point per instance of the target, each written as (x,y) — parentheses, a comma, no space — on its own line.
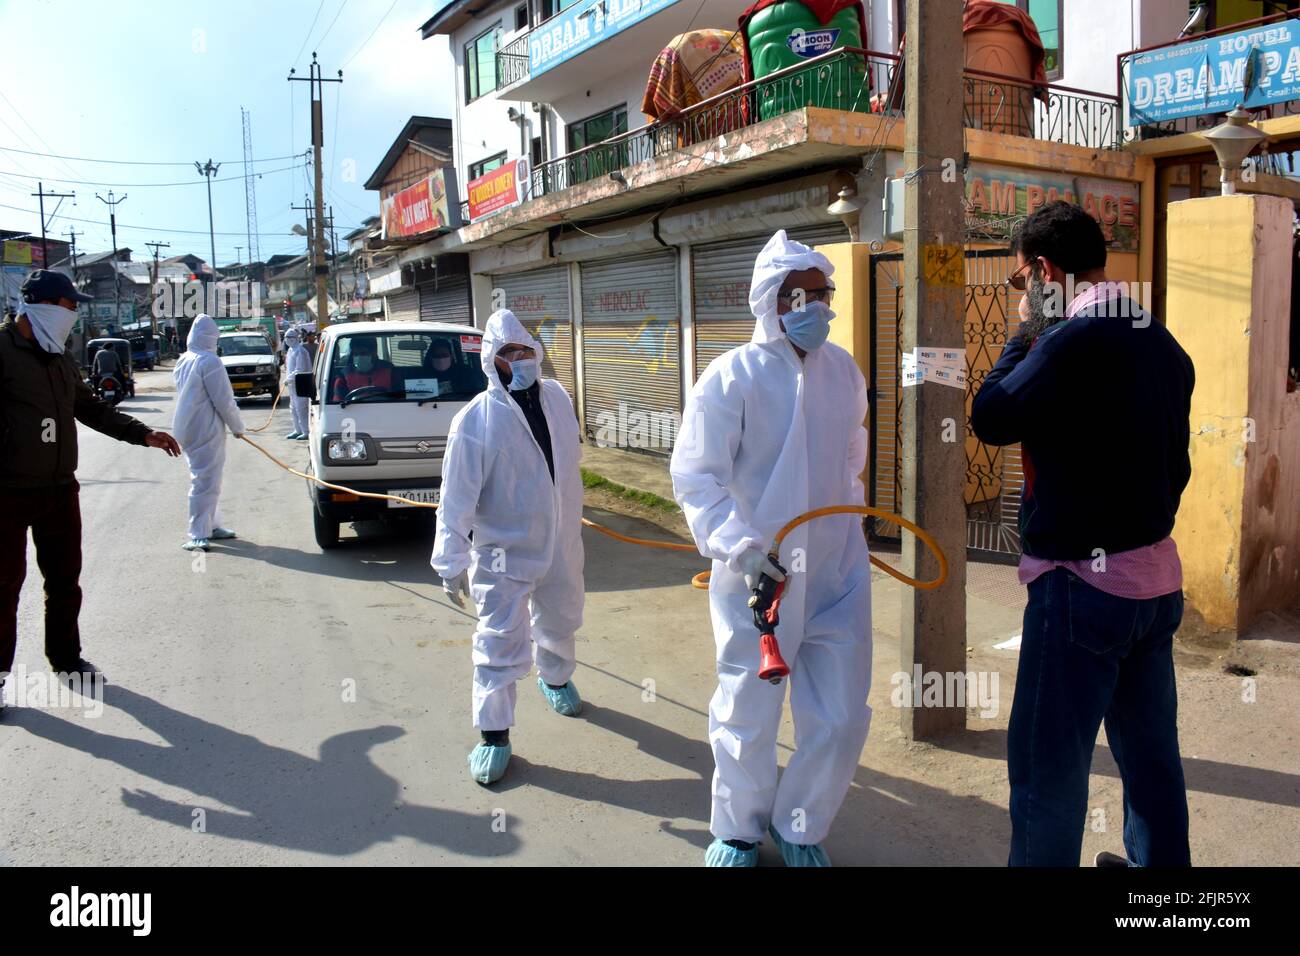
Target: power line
(190,182)
(298,56)
(369,38)
(195,232)
(331,26)
(131,162)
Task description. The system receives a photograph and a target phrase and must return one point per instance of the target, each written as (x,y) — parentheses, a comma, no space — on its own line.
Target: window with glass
(551,7)
(405,367)
(590,132)
(486,165)
(481,64)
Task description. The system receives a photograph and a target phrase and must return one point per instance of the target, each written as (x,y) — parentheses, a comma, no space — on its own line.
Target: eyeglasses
(1019,280)
(824,294)
(514,354)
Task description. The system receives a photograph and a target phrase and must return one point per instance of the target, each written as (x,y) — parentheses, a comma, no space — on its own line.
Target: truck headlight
(340,449)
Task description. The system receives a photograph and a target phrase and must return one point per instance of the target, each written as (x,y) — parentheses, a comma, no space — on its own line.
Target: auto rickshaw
(125,388)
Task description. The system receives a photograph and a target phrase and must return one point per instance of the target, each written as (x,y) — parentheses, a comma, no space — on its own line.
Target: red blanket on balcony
(693,67)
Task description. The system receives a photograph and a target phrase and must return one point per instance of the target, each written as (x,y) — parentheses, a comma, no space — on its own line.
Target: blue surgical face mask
(523,373)
(808,327)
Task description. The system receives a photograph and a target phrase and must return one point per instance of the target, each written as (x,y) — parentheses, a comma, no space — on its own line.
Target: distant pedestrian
(1099,396)
(297,362)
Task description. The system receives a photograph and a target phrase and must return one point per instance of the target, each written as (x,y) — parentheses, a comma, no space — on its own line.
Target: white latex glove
(457,586)
(754,562)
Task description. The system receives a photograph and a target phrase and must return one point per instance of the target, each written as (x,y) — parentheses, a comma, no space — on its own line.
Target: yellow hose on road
(700,581)
(274,404)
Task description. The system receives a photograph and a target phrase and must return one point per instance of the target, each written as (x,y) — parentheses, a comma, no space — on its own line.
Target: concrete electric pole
(934,413)
(321,268)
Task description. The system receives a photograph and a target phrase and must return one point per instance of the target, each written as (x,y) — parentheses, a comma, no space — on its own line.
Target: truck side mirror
(304,384)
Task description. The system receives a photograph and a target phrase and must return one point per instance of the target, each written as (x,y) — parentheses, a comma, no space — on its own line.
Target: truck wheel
(326,529)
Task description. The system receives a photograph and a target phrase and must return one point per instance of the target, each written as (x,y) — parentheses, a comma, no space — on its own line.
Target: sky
(162,81)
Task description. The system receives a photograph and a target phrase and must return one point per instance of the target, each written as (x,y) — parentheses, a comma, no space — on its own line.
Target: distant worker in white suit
(296,362)
(205,408)
(773,429)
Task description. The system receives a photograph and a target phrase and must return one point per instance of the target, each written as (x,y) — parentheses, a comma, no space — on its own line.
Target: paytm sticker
(810,43)
(471,343)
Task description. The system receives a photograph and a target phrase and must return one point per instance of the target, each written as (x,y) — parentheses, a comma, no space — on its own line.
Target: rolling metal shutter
(446,300)
(721,276)
(631,359)
(404,306)
(540,300)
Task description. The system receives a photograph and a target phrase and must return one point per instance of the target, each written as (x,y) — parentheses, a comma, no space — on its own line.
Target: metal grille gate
(994,477)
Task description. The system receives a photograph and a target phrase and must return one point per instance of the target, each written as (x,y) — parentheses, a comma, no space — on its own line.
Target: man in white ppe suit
(773,429)
(205,407)
(297,361)
(510,477)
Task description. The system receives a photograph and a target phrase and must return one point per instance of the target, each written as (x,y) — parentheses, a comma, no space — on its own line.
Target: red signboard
(417,209)
(499,189)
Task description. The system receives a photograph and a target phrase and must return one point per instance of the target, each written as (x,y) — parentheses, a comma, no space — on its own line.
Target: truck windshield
(244,345)
(406,367)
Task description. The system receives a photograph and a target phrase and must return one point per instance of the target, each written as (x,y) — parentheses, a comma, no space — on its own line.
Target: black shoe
(740,845)
(496,738)
(1106,858)
(80,666)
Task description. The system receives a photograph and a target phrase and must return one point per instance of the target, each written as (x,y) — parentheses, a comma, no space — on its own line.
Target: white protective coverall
(525,562)
(205,406)
(767,437)
(297,361)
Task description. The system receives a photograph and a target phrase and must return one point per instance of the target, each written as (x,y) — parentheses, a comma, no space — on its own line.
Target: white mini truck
(383,395)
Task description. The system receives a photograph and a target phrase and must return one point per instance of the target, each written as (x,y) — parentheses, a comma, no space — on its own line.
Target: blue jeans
(1086,656)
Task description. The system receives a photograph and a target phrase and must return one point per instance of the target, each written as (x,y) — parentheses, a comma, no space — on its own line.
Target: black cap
(46,285)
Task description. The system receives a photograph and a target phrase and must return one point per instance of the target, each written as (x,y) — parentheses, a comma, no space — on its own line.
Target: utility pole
(112,204)
(934,414)
(317,142)
(41,193)
(72,254)
(207,172)
(153,317)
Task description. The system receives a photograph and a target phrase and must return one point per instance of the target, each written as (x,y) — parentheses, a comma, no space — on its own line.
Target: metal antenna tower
(250,190)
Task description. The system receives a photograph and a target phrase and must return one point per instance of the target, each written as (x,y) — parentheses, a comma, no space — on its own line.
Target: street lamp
(1233,141)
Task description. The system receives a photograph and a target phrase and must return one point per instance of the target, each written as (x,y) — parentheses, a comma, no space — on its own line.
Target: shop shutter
(540,300)
(631,360)
(720,280)
(446,300)
(404,306)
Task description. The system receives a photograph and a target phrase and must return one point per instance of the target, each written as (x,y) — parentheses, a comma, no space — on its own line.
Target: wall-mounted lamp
(848,209)
(618,177)
(1233,140)
(513,114)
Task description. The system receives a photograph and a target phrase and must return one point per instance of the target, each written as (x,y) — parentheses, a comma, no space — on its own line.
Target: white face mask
(51,323)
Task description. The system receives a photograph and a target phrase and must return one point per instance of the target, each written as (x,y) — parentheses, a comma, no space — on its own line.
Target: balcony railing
(853,80)
(512,61)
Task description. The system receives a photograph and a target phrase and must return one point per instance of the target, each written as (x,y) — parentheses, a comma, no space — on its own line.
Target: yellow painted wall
(851,328)
(1238,534)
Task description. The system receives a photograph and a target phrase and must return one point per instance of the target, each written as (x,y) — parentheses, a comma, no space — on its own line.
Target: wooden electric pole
(934,413)
(317,143)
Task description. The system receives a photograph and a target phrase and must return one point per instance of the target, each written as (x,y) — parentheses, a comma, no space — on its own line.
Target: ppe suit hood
(204,335)
(502,329)
(779,258)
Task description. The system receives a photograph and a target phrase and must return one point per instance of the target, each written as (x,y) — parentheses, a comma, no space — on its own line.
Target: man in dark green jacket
(42,396)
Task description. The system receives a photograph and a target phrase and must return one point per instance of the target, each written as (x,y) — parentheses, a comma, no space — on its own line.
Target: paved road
(229,734)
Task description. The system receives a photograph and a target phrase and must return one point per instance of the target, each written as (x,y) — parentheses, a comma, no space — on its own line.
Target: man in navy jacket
(1098,394)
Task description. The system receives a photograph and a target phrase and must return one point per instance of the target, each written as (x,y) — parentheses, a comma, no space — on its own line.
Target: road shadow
(1259,784)
(337,803)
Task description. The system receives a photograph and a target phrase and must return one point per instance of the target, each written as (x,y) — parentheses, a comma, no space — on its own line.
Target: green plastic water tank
(787,34)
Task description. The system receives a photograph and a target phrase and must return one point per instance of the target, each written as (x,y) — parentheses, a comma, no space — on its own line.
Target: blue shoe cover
(488,764)
(800,854)
(564,701)
(720,854)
